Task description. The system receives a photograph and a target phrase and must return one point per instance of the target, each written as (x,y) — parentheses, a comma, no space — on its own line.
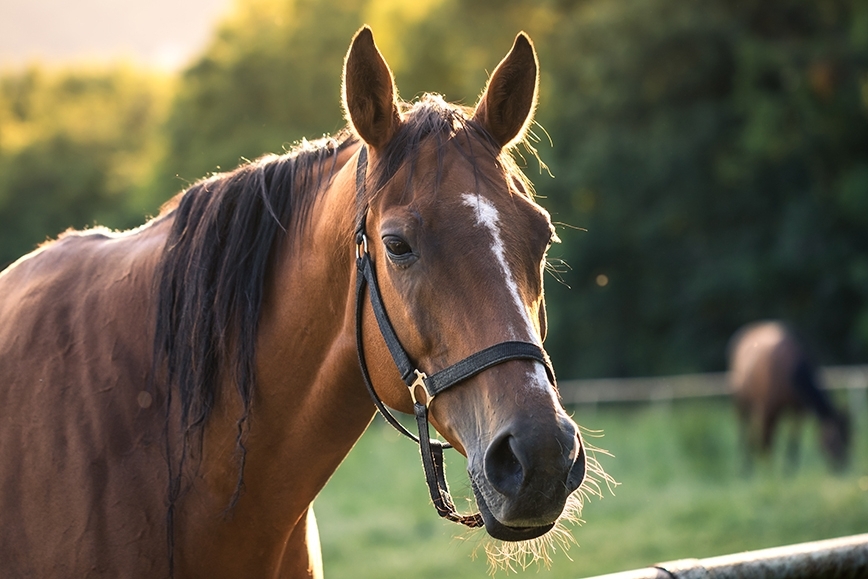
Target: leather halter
(423,388)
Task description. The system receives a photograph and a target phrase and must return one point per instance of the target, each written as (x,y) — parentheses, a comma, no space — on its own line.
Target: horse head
(458,247)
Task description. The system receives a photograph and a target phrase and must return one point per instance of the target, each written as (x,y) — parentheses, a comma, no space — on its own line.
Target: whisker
(556,268)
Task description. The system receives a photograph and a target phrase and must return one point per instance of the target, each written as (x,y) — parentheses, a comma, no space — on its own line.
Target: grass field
(682,494)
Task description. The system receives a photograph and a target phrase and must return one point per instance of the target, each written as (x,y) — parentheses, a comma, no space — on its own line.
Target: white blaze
(488,217)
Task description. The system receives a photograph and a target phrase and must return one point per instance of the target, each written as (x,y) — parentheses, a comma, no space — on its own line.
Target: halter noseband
(423,388)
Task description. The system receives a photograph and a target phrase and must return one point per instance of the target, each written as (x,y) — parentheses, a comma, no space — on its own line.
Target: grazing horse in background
(173,398)
(771,375)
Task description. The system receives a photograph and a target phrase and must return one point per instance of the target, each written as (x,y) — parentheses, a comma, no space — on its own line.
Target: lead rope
(430,449)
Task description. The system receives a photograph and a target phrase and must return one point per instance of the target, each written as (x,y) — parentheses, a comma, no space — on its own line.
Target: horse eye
(396,246)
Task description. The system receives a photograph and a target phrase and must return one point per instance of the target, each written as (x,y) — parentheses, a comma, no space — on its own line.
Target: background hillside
(159,33)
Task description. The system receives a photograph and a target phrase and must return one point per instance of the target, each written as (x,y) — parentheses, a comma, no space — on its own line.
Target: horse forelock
(433,120)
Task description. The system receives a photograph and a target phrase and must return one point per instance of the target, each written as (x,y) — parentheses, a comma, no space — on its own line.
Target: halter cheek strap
(423,388)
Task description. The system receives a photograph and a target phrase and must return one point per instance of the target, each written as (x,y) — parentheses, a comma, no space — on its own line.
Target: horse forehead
(510,230)
(497,220)
(487,218)
(511,214)
(484,211)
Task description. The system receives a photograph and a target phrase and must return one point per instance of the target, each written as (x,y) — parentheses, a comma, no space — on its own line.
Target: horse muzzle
(525,478)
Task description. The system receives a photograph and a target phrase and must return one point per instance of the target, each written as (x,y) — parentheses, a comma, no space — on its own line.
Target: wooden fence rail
(624,390)
(843,558)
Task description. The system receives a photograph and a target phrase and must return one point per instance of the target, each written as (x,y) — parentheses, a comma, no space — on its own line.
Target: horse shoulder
(78,425)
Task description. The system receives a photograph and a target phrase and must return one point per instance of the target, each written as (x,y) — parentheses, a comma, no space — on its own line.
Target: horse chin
(504,532)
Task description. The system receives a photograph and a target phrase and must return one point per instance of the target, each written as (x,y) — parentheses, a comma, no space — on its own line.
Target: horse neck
(310,405)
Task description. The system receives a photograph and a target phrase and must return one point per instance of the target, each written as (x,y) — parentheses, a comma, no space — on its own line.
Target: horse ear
(370,97)
(507,104)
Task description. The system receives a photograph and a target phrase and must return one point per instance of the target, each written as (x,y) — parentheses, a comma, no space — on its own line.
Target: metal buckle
(420,381)
(362,247)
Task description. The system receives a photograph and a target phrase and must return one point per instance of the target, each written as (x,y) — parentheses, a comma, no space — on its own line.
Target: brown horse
(771,375)
(173,398)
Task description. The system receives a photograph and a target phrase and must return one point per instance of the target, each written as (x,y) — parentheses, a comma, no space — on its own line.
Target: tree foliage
(270,77)
(708,157)
(715,152)
(76,148)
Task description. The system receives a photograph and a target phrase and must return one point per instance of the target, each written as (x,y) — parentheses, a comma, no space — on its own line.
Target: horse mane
(209,285)
(210,279)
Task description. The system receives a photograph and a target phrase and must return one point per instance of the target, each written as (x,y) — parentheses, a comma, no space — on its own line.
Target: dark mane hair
(209,286)
(211,275)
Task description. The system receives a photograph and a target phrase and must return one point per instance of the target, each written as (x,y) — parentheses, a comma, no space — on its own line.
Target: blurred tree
(77,148)
(270,77)
(715,152)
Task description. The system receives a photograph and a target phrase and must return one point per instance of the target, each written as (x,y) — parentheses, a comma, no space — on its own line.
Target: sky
(164,34)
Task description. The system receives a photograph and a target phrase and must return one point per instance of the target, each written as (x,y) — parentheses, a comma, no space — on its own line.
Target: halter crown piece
(423,388)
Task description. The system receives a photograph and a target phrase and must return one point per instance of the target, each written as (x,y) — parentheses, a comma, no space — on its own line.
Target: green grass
(682,494)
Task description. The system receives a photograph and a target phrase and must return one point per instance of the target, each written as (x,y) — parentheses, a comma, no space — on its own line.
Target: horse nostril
(577,471)
(502,467)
